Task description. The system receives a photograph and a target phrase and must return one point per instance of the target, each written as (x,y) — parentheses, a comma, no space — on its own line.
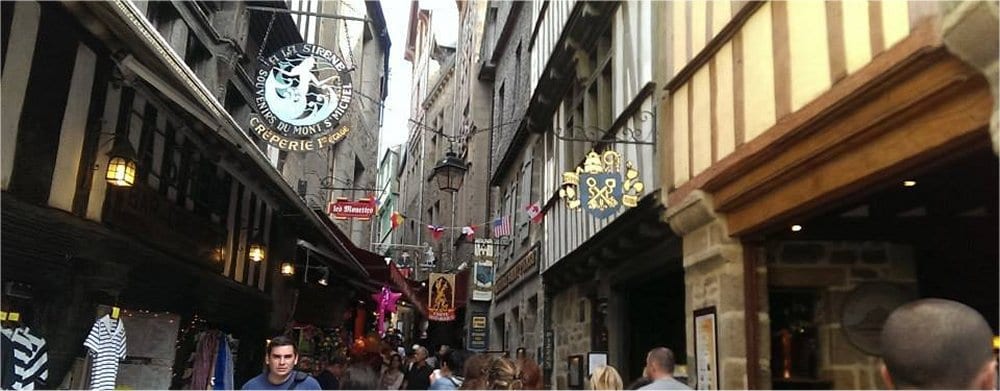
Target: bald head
(660,362)
(936,343)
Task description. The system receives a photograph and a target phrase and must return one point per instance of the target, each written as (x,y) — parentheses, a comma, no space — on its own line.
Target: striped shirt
(30,359)
(106,343)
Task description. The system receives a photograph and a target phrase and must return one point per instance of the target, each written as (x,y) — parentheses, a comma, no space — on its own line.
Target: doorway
(654,317)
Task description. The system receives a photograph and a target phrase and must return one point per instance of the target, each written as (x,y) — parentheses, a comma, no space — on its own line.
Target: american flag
(501,227)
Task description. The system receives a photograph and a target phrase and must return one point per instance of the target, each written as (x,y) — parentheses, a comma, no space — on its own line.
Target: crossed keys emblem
(602,197)
(604,192)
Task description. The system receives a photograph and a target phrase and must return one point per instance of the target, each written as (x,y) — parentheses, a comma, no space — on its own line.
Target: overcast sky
(397,13)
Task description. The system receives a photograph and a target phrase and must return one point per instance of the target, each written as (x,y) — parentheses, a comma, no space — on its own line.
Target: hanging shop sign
(441,297)
(343,209)
(526,266)
(479,332)
(598,186)
(482,290)
(303,91)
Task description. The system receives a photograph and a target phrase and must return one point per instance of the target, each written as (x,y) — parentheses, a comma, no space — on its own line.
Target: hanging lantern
(256,250)
(450,172)
(287,269)
(121,164)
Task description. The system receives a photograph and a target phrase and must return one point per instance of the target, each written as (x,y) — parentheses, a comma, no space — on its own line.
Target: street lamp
(450,172)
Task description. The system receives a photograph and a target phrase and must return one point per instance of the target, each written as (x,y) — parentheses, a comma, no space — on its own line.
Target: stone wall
(571,325)
(714,277)
(834,270)
(522,308)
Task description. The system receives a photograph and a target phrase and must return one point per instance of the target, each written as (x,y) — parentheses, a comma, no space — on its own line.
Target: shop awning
(380,272)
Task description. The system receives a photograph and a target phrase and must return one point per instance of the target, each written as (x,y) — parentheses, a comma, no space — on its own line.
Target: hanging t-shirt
(26,359)
(31,359)
(106,342)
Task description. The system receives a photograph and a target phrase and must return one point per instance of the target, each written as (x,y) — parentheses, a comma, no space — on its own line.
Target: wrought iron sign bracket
(614,135)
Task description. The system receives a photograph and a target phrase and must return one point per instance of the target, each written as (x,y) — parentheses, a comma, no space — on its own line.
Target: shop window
(794,337)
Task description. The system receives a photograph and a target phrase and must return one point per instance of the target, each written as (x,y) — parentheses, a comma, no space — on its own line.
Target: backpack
(299,378)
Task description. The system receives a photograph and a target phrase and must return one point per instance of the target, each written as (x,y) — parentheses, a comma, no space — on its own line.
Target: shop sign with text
(479,332)
(519,271)
(303,91)
(344,209)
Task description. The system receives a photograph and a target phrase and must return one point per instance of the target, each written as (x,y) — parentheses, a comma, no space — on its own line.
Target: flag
(501,227)
(469,232)
(535,213)
(436,232)
(396,219)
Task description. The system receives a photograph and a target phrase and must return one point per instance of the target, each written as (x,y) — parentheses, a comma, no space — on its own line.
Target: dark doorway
(655,317)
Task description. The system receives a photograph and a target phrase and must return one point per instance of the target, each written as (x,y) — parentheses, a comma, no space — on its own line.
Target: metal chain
(263,43)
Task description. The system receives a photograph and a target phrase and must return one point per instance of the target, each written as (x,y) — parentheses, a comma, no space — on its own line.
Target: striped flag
(396,219)
(501,227)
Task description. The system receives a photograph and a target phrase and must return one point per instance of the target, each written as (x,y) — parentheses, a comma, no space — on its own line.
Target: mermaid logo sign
(303,91)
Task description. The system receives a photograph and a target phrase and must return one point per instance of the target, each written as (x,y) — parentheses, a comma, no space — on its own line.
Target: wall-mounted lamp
(256,251)
(121,164)
(287,269)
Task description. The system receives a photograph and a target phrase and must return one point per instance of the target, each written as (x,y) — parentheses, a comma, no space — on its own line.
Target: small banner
(441,299)
(435,231)
(397,219)
(535,212)
(483,288)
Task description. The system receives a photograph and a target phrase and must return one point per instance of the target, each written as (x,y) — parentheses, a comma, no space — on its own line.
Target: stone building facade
(347,169)
(770,230)
(514,167)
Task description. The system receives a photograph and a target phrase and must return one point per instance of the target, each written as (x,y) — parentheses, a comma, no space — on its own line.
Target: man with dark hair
(937,343)
(332,372)
(282,355)
(446,378)
(660,368)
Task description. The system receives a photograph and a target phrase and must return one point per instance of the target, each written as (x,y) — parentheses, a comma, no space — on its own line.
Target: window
(162,15)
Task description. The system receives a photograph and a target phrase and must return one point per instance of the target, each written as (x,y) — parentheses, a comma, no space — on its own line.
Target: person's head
(502,375)
(420,354)
(395,362)
(531,374)
(359,376)
(476,368)
(605,378)
(336,366)
(450,363)
(659,363)
(282,355)
(937,343)
(443,349)
(521,353)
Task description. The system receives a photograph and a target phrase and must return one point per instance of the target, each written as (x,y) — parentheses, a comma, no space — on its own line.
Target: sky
(397,106)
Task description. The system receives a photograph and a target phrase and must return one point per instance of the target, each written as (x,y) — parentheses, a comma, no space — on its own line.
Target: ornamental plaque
(599,186)
(303,91)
